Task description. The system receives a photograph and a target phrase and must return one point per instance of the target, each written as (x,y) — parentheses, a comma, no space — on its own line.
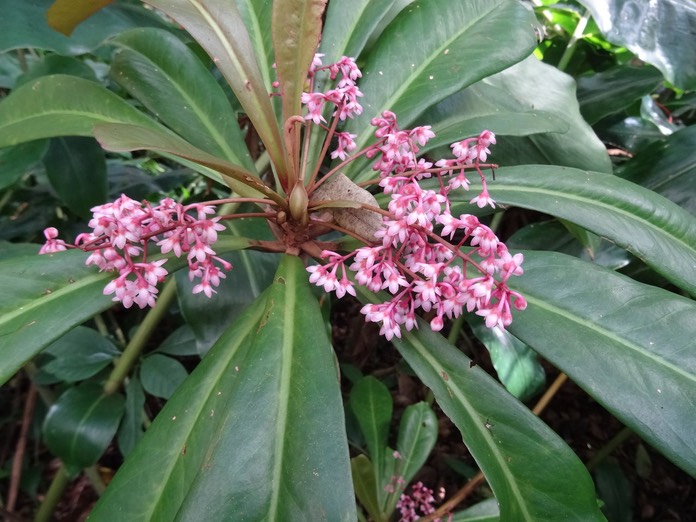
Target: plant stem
(609,447)
(548,395)
(53,495)
(457,498)
(456,329)
(95,480)
(577,35)
(142,335)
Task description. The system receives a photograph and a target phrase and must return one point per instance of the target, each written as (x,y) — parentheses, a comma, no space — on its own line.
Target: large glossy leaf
(532,472)
(163,73)
(62,106)
(412,66)
(57,64)
(76,168)
(124,137)
(516,90)
(17,161)
(628,345)
(255,433)
(23,24)
(256,14)
(508,103)
(505,103)
(668,167)
(43,297)
(218,27)
(660,33)
(610,91)
(348,26)
(651,227)
(80,425)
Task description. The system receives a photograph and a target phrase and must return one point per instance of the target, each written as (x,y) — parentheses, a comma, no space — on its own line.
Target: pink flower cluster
(420,260)
(344,97)
(419,502)
(121,232)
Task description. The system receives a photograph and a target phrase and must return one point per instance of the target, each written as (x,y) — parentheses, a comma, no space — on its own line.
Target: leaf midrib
(418,71)
(597,203)
(483,432)
(195,106)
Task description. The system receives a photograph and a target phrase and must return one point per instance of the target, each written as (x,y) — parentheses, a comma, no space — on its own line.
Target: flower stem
(53,495)
(142,335)
(577,35)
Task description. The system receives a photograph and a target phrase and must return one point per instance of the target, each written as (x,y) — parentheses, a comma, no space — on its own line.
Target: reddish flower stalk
(416,256)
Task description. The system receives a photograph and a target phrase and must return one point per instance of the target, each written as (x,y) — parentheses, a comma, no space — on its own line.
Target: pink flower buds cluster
(121,233)
(424,254)
(419,503)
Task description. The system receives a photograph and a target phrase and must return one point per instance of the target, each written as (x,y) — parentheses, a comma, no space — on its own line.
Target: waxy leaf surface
(629,345)
(256,432)
(532,472)
(649,226)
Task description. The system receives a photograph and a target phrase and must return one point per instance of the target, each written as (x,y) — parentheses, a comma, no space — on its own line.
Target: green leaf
(80,425)
(23,24)
(668,167)
(131,429)
(161,375)
(62,105)
(56,64)
(626,344)
(372,406)
(516,90)
(651,227)
(76,168)
(505,103)
(660,33)
(251,274)
(417,435)
(515,363)
(407,79)
(256,14)
(157,68)
(181,341)
(632,133)
(255,432)
(43,297)
(616,491)
(79,354)
(349,26)
(484,511)
(553,236)
(532,472)
(123,137)
(17,161)
(218,27)
(365,485)
(611,91)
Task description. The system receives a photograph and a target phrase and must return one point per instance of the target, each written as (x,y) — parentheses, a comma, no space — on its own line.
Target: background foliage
(230,404)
